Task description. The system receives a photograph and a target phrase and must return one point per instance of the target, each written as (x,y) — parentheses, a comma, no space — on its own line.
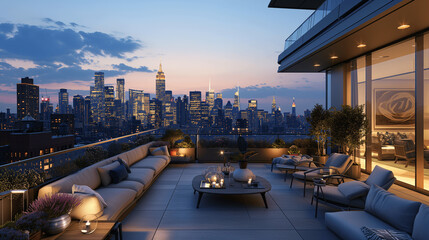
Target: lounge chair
(337,164)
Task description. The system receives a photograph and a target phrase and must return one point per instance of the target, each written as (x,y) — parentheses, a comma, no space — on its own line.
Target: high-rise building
(155,113)
(228,110)
(252,115)
(218,102)
(27,99)
(195,107)
(160,84)
(210,97)
(120,94)
(253,104)
(182,113)
(136,101)
(236,104)
(98,99)
(87,111)
(78,109)
(205,114)
(46,109)
(109,98)
(170,108)
(146,102)
(63,101)
(273,105)
(293,108)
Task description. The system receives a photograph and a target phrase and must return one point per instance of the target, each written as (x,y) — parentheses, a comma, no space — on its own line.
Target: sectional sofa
(120,197)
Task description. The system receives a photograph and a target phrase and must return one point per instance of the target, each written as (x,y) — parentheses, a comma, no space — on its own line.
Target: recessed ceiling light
(384,56)
(362,45)
(316,65)
(334,57)
(403,26)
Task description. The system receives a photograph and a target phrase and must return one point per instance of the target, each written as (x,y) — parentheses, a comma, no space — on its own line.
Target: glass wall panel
(393,109)
(426,110)
(358,98)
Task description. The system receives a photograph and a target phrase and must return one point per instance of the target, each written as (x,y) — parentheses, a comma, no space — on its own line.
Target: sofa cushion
(89,205)
(129,184)
(104,172)
(117,200)
(379,177)
(332,194)
(421,230)
(150,162)
(87,190)
(354,189)
(124,157)
(118,174)
(142,175)
(383,234)
(396,211)
(347,224)
(133,156)
(163,150)
(123,163)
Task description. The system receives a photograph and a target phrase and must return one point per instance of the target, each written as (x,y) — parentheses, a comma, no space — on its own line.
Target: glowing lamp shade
(403,26)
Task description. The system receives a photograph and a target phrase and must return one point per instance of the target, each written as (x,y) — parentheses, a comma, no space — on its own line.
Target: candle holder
(88,224)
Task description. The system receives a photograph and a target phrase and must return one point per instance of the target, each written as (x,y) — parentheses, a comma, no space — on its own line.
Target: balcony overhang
(296,4)
(373,24)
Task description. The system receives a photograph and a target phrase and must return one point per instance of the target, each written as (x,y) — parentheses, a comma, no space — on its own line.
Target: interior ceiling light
(403,26)
(317,65)
(334,57)
(362,45)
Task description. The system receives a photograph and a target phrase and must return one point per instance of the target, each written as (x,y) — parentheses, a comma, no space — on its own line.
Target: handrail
(72,149)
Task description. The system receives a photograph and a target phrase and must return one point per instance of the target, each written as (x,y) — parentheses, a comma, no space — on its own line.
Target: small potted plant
(294,150)
(57,208)
(33,223)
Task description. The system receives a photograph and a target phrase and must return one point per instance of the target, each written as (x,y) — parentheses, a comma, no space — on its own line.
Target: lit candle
(221,182)
(250,181)
(214,178)
(87,225)
(217,185)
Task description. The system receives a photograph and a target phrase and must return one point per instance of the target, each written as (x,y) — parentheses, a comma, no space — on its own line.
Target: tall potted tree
(319,121)
(348,127)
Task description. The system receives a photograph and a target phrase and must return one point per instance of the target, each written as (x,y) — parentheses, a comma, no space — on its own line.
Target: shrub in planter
(20,179)
(293,150)
(54,205)
(320,127)
(172,136)
(141,140)
(91,156)
(12,234)
(33,222)
(186,143)
(114,148)
(278,143)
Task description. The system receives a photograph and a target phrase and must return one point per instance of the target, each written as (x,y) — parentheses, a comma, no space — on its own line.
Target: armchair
(336,164)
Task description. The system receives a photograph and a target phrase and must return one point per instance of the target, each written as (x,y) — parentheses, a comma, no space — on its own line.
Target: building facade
(27,99)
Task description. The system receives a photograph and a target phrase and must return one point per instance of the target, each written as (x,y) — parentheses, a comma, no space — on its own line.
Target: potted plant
(319,121)
(243,173)
(8,233)
(348,127)
(33,223)
(172,136)
(57,208)
(294,150)
(278,143)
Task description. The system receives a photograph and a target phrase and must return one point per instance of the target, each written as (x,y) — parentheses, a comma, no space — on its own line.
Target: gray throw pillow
(104,172)
(398,212)
(421,230)
(384,234)
(354,189)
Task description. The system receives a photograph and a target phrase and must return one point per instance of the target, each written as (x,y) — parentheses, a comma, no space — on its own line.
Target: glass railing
(312,20)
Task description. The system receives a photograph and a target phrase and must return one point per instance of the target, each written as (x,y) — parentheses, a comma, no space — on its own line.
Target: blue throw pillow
(118,174)
(398,212)
(421,230)
(384,234)
(353,189)
(122,162)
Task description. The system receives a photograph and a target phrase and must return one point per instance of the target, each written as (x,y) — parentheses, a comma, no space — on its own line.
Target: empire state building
(160,85)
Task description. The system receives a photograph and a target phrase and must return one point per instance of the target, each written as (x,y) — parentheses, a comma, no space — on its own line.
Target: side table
(105,230)
(318,184)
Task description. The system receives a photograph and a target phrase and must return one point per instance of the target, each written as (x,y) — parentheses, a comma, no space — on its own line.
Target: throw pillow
(421,230)
(87,190)
(398,212)
(89,205)
(163,150)
(384,234)
(118,174)
(354,189)
(104,172)
(123,163)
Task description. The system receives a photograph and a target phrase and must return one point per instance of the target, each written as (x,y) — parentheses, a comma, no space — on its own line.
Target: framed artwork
(394,108)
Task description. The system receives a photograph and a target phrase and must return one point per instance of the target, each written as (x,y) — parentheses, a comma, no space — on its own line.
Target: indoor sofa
(119,197)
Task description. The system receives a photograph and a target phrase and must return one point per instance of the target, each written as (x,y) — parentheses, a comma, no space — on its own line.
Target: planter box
(265,155)
(185,152)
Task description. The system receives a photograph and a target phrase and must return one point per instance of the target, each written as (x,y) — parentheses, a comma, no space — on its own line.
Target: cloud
(59,53)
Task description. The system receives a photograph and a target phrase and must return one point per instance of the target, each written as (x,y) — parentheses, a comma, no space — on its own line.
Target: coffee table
(235,188)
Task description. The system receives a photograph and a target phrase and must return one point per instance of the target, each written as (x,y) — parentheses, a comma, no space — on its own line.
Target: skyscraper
(228,110)
(136,101)
(78,109)
(253,104)
(210,97)
(293,108)
(236,104)
(155,113)
(273,105)
(98,99)
(63,101)
(218,102)
(27,99)
(109,98)
(120,94)
(46,109)
(195,107)
(160,84)
(146,102)
(182,113)
(87,117)
(169,108)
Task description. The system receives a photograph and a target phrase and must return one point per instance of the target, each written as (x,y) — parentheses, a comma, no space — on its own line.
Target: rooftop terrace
(168,210)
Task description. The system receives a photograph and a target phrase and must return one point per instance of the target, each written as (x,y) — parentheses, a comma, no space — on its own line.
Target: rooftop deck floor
(168,210)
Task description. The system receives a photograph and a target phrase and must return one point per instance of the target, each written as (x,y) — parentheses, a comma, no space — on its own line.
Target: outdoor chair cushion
(332,194)
(336,160)
(380,177)
(129,184)
(117,200)
(347,224)
(398,212)
(354,189)
(150,162)
(89,204)
(309,176)
(421,229)
(142,175)
(104,172)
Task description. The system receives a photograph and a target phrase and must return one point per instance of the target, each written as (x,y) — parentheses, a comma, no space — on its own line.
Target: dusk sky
(230,42)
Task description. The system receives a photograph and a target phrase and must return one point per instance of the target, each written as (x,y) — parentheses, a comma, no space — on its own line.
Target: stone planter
(355,171)
(57,225)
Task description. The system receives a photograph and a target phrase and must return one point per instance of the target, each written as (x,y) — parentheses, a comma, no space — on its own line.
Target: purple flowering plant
(54,205)
(8,233)
(32,222)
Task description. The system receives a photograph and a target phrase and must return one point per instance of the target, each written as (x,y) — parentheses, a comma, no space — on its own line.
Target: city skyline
(203,50)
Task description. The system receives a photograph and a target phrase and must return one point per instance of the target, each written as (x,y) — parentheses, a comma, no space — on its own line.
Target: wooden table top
(235,189)
(73,232)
